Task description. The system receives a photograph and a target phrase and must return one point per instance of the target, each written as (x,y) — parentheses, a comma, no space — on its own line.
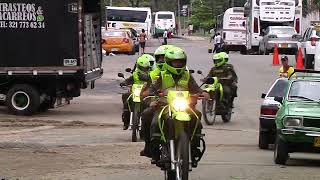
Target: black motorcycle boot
(125,119)
(146,150)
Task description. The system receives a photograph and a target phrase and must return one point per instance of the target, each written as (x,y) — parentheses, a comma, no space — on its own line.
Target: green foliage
(204,12)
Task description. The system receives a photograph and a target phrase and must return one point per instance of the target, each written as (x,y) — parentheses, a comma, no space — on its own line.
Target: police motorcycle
(134,102)
(216,105)
(176,134)
(215,90)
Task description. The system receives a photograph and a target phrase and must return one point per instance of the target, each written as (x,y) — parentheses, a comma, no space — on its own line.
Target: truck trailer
(49,51)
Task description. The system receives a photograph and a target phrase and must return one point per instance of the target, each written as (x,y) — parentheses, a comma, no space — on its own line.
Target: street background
(85,140)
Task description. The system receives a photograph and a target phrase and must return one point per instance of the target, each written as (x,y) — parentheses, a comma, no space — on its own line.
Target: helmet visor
(178,63)
(160,58)
(144,69)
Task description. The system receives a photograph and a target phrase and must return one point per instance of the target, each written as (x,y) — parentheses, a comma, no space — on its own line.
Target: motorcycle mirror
(128,70)
(210,81)
(199,72)
(120,75)
(191,71)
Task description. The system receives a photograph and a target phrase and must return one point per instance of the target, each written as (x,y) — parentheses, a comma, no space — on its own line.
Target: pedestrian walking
(142,40)
(218,41)
(165,37)
(170,32)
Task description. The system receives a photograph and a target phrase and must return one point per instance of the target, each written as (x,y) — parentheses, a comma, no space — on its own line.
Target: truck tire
(23,99)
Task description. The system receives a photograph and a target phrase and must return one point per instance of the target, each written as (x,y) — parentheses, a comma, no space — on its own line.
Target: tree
(204,12)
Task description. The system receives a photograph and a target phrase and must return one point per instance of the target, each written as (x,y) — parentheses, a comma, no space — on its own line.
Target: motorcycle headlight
(180,104)
(292,121)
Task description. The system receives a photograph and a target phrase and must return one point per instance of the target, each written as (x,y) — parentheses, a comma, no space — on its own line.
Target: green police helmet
(151,59)
(220,59)
(175,60)
(161,51)
(143,63)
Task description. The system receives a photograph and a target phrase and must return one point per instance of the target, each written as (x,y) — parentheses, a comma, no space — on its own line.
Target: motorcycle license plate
(316,142)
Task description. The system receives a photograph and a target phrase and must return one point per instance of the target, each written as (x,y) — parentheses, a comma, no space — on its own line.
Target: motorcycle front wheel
(208,111)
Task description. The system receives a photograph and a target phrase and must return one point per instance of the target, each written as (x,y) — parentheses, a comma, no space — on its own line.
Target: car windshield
(126,15)
(115,34)
(279,89)
(316,31)
(305,91)
(282,31)
(164,16)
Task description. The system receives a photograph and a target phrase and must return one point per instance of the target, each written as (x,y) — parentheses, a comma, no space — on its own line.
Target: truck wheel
(23,99)
(281,153)
(243,51)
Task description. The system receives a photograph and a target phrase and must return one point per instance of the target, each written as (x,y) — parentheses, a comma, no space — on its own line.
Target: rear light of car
(272,36)
(255,26)
(268,111)
(125,40)
(313,41)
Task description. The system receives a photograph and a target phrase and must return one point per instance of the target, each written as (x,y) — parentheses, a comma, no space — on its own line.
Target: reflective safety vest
(155,74)
(136,79)
(168,81)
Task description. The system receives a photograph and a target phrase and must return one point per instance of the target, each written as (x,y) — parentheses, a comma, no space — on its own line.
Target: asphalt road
(85,139)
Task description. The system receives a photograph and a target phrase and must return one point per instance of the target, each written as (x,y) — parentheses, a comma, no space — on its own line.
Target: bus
(129,17)
(231,26)
(164,20)
(264,13)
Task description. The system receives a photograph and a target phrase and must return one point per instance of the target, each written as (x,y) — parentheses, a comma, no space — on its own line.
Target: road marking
(41,128)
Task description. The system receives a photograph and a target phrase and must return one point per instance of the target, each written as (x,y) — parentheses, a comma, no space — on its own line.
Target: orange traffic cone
(275,61)
(299,64)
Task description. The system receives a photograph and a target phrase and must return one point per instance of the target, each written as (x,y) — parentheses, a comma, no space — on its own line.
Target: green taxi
(298,119)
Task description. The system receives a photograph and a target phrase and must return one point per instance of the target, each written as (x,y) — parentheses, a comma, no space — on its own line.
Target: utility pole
(232,3)
(110,2)
(179,20)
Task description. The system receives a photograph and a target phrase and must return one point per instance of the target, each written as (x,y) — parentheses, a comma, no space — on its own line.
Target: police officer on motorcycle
(139,76)
(226,75)
(175,76)
(148,113)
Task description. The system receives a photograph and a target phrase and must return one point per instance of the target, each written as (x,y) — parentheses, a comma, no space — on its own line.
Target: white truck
(264,13)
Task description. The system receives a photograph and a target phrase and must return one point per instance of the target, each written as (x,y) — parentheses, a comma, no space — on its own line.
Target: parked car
(268,111)
(285,37)
(118,41)
(308,44)
(298,119)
